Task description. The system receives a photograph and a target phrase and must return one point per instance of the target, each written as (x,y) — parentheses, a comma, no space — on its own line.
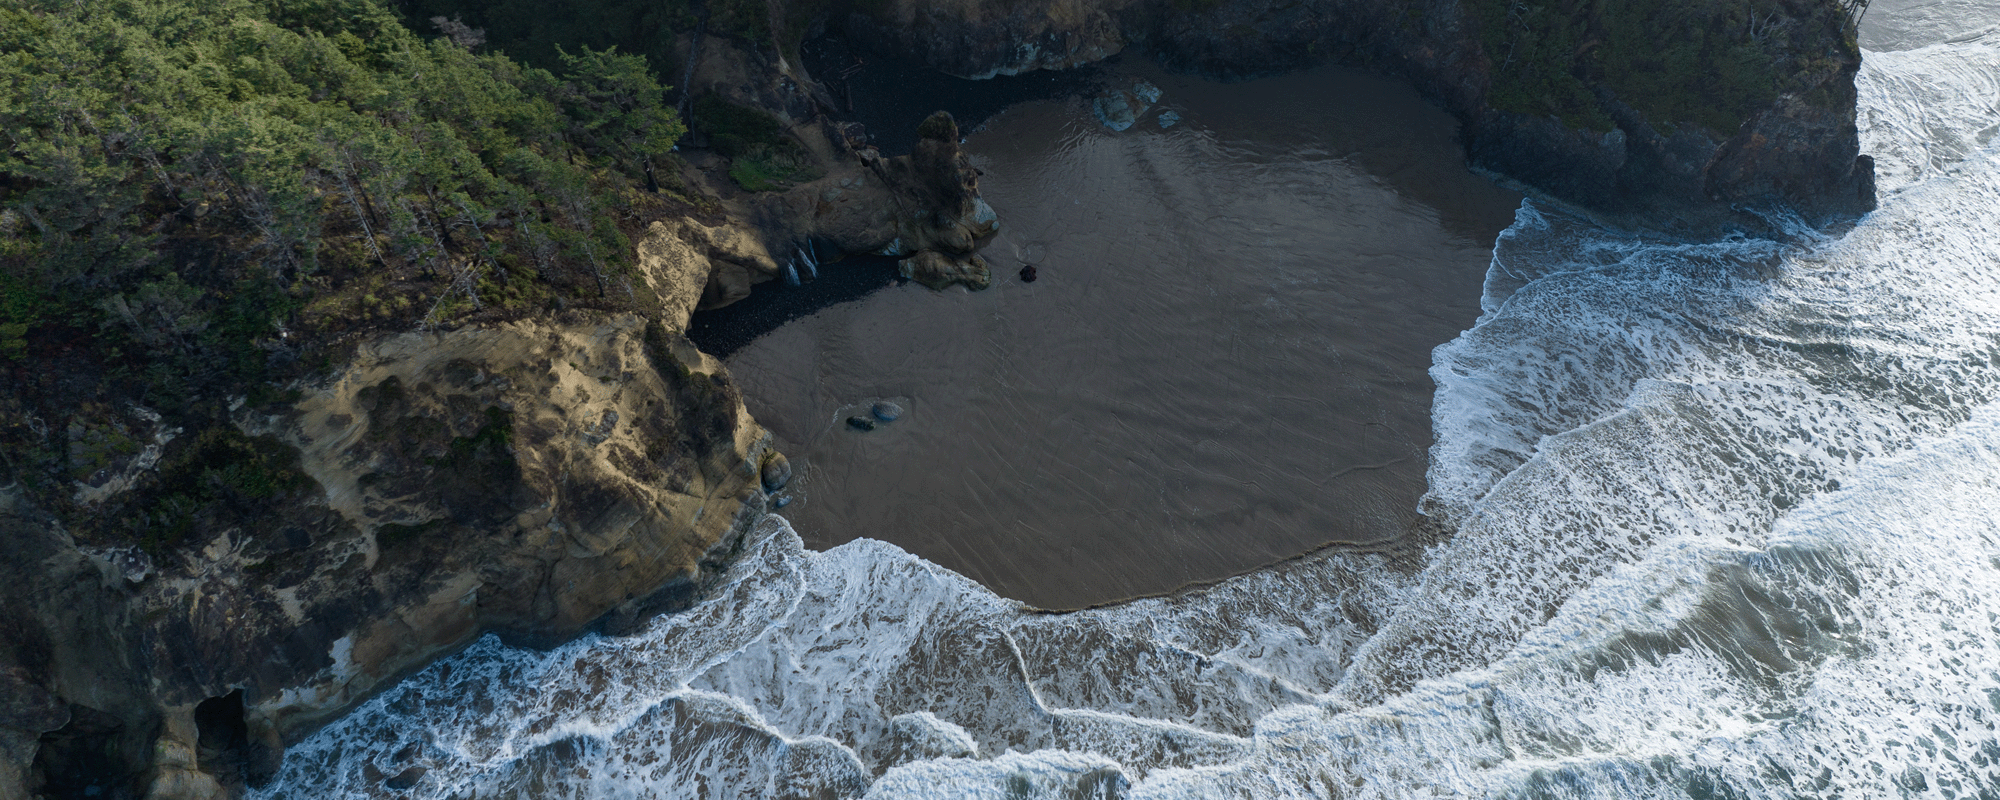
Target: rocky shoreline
(537,479)
(1798,150)
(584,470)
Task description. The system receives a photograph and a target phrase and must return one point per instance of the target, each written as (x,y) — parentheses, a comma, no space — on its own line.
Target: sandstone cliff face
(533,479)
(1747,105)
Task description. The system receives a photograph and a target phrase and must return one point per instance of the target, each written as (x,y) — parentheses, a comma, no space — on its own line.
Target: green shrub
(23,305)
(221,477)
(530,31)
(492,440)
(1699,62)
(220,144)
(733,130)
(764,170)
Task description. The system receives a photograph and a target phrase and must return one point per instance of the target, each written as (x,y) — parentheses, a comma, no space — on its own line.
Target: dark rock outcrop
(1680,115)
(777,472)
(927,200)
(536,478)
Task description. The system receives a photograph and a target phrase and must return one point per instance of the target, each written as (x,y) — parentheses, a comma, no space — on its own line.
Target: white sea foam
(1946,99)
(1727,524)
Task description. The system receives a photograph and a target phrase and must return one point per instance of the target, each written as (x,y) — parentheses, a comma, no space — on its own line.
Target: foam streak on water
(1727,525)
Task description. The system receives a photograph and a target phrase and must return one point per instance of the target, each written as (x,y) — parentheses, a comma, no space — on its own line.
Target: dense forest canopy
(1710,63)
(196,198)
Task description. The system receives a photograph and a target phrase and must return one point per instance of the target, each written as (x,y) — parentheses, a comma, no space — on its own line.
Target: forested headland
(200,201)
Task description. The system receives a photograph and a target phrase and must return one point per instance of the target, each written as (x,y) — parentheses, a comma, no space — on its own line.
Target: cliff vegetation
(199,200)
(1710,63)
(533,30)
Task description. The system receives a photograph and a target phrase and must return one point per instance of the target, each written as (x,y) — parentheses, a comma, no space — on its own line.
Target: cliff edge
(1694,116)
(535,479)
(279,424)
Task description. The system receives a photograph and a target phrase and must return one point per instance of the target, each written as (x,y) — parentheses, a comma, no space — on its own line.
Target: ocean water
(1727,526)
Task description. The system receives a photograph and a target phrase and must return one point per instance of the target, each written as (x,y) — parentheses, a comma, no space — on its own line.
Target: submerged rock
(1114,110)
(1119,109)
(938,270)
(887,411)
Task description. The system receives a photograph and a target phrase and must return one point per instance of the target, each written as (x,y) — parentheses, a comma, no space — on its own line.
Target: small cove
(1223,362)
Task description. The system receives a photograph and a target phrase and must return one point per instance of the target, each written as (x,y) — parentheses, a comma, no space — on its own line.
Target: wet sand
(1223,361)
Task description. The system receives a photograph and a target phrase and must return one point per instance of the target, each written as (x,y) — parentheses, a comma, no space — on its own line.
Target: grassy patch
(766,170)
(763,157)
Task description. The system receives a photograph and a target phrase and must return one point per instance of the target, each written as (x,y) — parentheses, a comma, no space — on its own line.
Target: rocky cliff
(541,472)
(1675,115)
(1696,115)
(925,202)
(534,477)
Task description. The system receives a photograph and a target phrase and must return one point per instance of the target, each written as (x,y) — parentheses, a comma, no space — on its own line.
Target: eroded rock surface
(938,271)
(535,479)
(926,200)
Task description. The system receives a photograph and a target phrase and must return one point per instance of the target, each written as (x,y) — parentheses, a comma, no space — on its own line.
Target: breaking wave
(1726,524)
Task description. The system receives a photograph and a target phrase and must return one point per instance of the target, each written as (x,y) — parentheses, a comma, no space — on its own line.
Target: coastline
(711,257)
(1110,431)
